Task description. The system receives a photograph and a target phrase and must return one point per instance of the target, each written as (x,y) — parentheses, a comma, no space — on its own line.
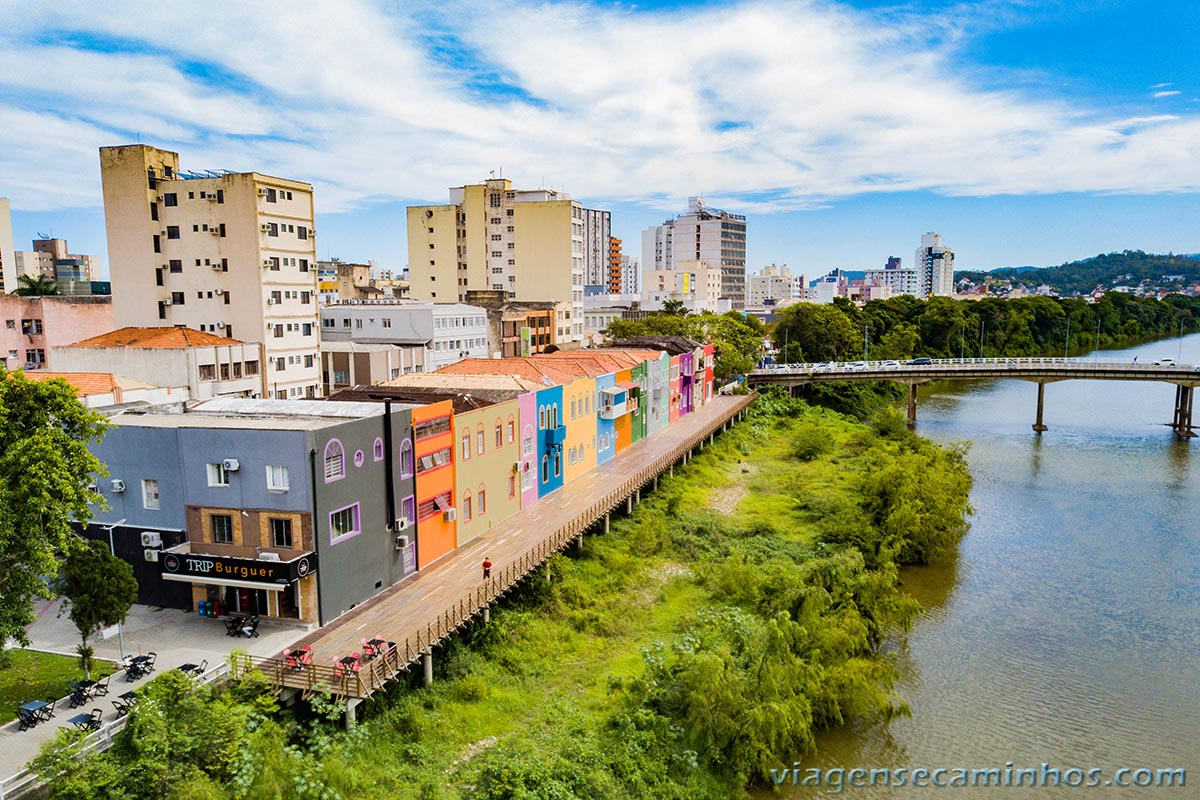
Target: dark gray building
(284,508)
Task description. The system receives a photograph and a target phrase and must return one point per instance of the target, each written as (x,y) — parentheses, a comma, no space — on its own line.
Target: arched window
(512,429)
(545,468)
(466,505)
(378,449)
(499,433)
(406,459)
(552,413)
(557,463)
(541,417)
(481,500)
(335,461)
(479,439)
(527,441)
(574,404)
(466,445)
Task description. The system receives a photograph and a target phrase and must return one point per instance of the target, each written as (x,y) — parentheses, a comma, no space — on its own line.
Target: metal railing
(1081,364)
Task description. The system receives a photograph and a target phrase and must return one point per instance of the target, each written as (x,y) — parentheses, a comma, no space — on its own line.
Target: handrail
(1023,361)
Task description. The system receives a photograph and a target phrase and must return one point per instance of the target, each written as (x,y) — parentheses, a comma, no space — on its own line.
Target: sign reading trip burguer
(191,565)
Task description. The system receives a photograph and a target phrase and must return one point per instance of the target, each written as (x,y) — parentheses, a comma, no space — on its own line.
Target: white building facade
(715,237)
(450,332)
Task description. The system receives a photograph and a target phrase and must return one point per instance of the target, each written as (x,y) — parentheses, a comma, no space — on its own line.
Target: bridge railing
(1082,363)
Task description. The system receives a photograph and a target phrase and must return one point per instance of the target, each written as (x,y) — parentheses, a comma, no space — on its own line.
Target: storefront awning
(180,564)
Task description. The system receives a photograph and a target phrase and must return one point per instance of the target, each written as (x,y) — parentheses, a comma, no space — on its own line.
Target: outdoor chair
(150,664)
(233,626)
(26,719)
(94,723)
(201,668)
(101,687)
(251,628)
(79,696)
(47,711)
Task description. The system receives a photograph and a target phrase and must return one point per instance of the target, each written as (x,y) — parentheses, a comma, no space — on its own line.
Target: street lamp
(113,550)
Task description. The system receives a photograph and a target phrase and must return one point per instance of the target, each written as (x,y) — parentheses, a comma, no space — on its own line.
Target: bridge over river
(1035,370)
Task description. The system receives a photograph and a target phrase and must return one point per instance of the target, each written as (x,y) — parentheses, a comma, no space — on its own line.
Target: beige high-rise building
(528,244)
(51,259)
(229,253)
(8,261)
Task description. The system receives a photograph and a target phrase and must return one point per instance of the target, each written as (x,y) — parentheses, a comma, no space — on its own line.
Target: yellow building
(228,253)
(491,237)
(579,414)
(486,481)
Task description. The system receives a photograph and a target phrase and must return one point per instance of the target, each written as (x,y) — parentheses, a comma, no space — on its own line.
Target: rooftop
(258,414)
(165,338)
(90,383)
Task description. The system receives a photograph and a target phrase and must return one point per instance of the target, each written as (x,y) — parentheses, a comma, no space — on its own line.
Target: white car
(856,366)
(1165,362)
(889,364)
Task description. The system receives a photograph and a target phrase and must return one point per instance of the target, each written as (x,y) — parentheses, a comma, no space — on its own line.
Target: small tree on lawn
(99,588)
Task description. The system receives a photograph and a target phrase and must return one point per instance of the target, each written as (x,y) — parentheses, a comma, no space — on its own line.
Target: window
(344,523)
(527,441)
(512,430)
(545,468)
(217,476)
(176,265)
(251,366)
(499,434)
(377,450)
(150,494)
(406,459)
(432,427)
(154,211)
(157,243)
(479,440)
(222,528)
(224,372)
(170,199)
(172,231)
(557,463)
(387,322)
(512,486)
(35,356)
(541,418)
(270,195)
(281,532)
(434,460)
(277,478)
(177,298)
(31,326)
(408,509)
(301,232)
(335,461)
(272,229)
(481,501)
(466,446)
(466,506)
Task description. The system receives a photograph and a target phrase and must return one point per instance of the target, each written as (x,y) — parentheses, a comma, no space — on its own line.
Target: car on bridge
(889,364)
(856,366)
(1165,362)
(920,361)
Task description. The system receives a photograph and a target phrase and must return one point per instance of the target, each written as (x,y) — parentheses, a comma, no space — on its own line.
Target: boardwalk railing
(372,675)
(1081,363)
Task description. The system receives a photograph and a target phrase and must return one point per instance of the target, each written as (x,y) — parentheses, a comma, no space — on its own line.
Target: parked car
(1165,362)
(920,361)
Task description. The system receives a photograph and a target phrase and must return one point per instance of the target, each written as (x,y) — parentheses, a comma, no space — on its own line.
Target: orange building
(614,265)
(433,447)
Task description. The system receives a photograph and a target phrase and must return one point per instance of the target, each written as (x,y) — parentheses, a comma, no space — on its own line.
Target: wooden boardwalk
(422,610)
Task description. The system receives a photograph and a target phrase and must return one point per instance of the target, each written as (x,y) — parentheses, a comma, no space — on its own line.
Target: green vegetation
(737,339)
(698,645)
(904,327)
(30,675)
(45,471)
(99,589)
(35,286)
(1128,268)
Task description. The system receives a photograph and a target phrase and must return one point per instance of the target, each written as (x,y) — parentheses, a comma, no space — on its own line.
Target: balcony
(555,437)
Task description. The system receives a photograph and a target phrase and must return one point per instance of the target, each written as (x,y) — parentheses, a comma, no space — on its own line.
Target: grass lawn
(41,676)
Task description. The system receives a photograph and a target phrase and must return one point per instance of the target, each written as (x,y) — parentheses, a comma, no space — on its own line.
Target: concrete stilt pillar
(1181,422)
(579,543)
(629,504)
(427,663)
(351,720)
(912,404)
(606,523)
(671,470)
(487,614)
(637,494)
(656,483)
(1039,426)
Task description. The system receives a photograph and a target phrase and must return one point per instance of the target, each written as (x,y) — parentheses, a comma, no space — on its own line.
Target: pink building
(33,325)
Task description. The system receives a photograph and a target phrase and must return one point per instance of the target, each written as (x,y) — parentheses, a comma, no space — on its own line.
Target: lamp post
(866,342)
(113,550)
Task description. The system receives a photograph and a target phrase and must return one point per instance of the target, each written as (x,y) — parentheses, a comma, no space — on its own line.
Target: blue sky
(1023,132)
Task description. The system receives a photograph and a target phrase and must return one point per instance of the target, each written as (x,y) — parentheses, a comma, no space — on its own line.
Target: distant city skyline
(995,124)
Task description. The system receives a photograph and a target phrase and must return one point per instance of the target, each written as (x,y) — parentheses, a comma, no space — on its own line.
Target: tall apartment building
(223,252)
(935,267)
(529,244)
(774,285)
(895,278)
(597,243)
(710,235)
(8,261)
(52,259)
(631,276)
(614,265)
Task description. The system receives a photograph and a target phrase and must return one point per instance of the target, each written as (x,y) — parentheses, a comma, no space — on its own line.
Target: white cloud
(1167,94)
(769,107)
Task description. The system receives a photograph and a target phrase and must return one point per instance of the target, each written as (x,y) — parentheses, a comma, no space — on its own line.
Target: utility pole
(982,328)
(867,342)
(1067,346)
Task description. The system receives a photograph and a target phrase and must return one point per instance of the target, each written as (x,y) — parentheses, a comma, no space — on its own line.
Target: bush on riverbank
(697,646)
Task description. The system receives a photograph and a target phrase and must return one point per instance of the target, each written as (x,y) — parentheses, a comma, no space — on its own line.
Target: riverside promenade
(424,609)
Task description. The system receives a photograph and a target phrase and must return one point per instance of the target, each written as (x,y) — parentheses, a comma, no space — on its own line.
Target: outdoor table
(83,721)
(84,687)
(377,646)
(189,668)
(36,707)
(125,702)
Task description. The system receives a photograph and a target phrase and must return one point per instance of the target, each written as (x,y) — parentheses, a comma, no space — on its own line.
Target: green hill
(1109,269)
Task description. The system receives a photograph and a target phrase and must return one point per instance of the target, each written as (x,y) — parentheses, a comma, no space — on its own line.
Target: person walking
(487,568)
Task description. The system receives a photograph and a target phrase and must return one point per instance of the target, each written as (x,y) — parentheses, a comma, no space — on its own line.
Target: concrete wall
(63,320)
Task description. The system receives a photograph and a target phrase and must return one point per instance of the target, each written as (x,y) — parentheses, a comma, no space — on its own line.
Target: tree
(99,588)
(675,308)
(822,332)
(35,286)
(45,472)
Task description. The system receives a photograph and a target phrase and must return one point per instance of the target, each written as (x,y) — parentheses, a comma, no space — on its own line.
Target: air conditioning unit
(262,192)
(160,198)
(450,514)
(221,325)
(217,267)
(212,197)
(231,465)
(264,227)
(118,486)
(150,555)
(266,263)
(151,539)
(401,542)
(269,557)
(167,301)
(214,231)
(400,524)
(270,301)
(517,467)
(312,231)
(218,292)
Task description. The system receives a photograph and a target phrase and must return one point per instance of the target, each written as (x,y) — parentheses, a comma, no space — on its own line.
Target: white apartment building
(631,276)
(694,283)
(449,332)
(774,285)
(8,260)
(715,237)
(935,267)
(227,253)
(597,233)
(894,277)
(529,244)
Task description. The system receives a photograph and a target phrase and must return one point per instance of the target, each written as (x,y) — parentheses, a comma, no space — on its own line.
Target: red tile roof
(167,338)
(85,383)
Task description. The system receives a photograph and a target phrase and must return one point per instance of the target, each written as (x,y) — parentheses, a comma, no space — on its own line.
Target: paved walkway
(432,603)
(178,637)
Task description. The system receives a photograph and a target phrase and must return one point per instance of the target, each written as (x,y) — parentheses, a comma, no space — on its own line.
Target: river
(1068,631)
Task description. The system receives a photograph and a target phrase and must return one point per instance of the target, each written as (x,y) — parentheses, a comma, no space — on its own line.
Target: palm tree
(675,308)
(35,286)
